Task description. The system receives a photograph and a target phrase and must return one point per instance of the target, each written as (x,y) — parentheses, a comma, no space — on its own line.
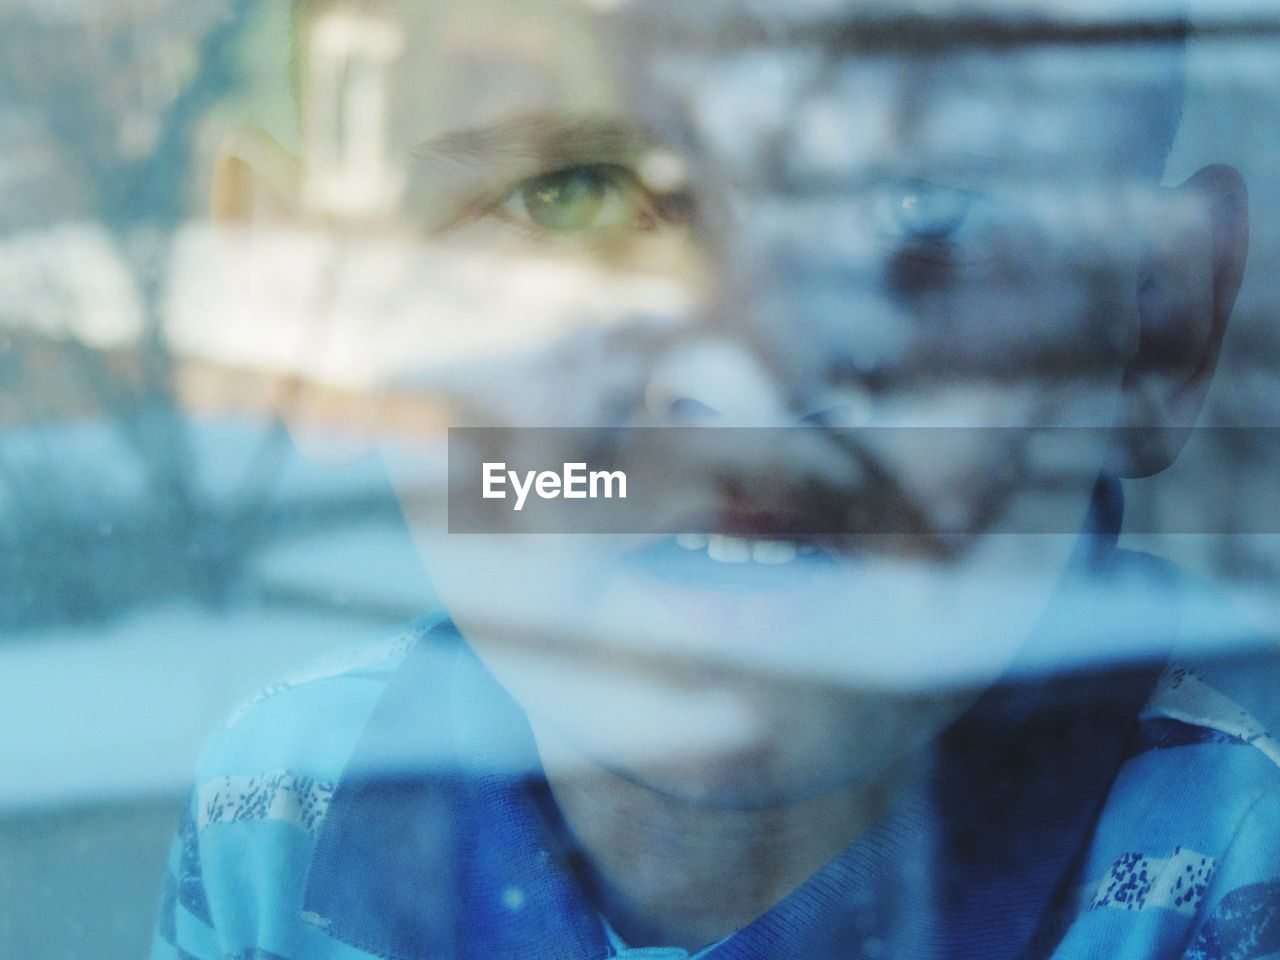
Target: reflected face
(712,221)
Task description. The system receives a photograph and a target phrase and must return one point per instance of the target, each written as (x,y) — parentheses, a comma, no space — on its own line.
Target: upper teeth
(724,549)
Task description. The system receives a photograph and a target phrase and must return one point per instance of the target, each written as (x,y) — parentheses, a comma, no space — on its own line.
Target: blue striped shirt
(389,804)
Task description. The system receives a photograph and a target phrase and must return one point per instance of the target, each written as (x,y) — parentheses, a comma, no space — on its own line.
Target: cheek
(1048,317)
(974,432)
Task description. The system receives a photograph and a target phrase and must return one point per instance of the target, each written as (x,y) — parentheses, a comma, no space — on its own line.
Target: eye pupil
(566,200)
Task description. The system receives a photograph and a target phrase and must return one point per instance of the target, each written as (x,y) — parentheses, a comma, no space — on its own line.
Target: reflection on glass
(930,344)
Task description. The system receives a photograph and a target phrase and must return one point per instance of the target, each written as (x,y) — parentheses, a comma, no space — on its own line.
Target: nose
(714,381)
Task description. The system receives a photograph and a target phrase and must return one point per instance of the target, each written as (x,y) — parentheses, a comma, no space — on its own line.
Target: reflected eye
(578,200)
(923,213)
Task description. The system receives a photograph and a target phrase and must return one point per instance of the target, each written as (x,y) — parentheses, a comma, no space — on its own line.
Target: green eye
(577,200)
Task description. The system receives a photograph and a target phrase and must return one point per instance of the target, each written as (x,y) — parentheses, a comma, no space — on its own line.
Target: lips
(770,537)
(761,548)
(735,549)
(767,526)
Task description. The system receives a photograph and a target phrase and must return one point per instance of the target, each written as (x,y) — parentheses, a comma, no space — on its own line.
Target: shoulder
(1201,761)
(310,719)
(1242,913)
(1229,708)
(1187,847)
(279,754)
(287,746)
(262,789)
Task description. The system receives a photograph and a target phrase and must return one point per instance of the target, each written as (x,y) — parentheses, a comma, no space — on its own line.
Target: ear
(1186,291)
(255,179)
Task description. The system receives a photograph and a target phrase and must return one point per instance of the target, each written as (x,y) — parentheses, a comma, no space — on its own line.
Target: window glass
(572,478)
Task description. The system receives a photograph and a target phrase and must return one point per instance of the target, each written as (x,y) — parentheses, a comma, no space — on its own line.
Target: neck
(669,872)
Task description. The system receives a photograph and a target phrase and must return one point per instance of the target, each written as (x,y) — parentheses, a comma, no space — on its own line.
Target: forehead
(1003,78)
(470,63)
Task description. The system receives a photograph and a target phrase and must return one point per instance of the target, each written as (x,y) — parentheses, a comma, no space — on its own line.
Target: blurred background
(166,549)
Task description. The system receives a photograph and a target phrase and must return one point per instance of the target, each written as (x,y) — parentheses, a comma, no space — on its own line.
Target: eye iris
(565,201)
(931,214)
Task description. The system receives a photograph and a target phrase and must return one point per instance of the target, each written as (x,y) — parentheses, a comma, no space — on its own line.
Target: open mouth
(722,548)
(696,561)
(735,551)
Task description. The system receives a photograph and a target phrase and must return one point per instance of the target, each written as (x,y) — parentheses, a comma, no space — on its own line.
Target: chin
(782,763)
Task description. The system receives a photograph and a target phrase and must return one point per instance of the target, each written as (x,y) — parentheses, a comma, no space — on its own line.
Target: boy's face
(730,214)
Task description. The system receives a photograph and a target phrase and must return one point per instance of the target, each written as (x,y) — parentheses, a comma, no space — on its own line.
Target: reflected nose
(847,407)
(714,382)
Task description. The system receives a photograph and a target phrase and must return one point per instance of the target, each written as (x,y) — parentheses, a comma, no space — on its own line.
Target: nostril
(847,408)
(689,410)
(815,419)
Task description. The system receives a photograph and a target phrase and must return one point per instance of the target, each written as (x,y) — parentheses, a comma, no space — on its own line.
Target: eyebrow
(541,138)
